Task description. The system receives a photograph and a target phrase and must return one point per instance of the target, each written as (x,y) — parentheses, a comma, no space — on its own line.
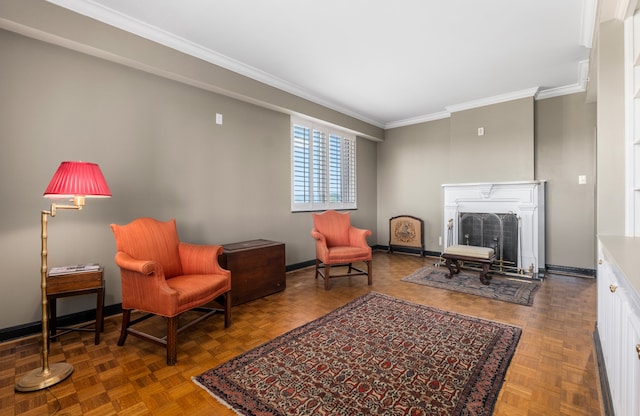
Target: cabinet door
(630,357)
(611,322)
(619,331)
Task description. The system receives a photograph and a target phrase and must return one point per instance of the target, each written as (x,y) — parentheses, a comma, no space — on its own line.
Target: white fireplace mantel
(525,199)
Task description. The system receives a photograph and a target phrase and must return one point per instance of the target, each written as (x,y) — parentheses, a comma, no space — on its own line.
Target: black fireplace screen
(497,231)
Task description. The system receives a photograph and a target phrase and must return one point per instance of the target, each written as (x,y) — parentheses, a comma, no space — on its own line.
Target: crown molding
(516,95)
(113,18)
(536,93)
(614,10)
(417,120)
(557,92)
(589,11)
(624,8)
(126,23)
(581,86)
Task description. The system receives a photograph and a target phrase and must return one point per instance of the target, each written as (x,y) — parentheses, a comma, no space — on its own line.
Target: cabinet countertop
(625,253)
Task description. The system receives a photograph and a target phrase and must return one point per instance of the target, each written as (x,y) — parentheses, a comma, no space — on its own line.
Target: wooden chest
(257,269)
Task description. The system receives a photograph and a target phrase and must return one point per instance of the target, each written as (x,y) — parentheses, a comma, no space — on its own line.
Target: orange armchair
(166,277)
(339,243)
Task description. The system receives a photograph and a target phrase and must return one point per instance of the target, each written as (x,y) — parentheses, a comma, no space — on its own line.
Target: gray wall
(611,128)
(162,154)
(504,153)
(565,148)
(157,143)
(42,20)
(414,161)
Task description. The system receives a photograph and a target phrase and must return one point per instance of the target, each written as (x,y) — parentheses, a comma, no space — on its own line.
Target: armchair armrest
(320,238)
(146,267)
(322,251)
(139,278)
(201,259)
(358,236)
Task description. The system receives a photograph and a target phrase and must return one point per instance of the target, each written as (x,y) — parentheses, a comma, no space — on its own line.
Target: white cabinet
(632,128)
(619,328)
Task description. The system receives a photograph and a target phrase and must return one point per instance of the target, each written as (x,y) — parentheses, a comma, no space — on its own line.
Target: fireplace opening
(494,230)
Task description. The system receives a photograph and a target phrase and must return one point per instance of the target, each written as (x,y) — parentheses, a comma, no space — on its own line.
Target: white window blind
(323,167)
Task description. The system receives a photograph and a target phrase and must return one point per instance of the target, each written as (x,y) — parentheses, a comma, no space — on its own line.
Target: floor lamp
(74,181)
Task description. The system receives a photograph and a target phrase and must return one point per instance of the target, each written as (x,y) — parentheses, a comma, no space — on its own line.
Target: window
(323,167)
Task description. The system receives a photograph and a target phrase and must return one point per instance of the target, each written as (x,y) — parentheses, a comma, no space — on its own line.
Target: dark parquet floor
(553,371)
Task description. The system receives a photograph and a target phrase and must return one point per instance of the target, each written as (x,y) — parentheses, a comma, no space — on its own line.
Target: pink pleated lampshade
(78,179)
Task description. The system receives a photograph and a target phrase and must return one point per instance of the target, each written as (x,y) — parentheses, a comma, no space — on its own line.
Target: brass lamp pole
(75,180)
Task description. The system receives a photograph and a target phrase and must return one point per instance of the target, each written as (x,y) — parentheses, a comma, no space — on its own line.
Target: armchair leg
(317,267)
(172,337)
(327,274)
(227,309)
(370,272)
(126,317)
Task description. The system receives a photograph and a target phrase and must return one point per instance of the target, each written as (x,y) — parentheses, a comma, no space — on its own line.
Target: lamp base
(40,379)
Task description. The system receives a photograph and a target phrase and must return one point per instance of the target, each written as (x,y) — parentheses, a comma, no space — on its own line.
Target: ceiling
(389,63)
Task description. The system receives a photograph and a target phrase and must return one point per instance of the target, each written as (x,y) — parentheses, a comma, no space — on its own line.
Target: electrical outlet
(440,240)
(582,180)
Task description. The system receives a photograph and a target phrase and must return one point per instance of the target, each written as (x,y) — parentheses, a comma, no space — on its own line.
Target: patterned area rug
(501,288)
(375,355)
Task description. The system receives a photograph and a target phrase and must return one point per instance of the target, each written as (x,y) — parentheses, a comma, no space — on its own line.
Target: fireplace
(505,216)
(498,231)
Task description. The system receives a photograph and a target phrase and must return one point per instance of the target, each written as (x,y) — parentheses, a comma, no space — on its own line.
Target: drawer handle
(638,350)
(612,288)
(600,261)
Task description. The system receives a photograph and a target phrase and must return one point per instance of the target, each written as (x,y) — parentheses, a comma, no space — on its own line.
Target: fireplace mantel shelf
(495,183)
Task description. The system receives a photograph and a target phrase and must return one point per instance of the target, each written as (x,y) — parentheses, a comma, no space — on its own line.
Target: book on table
(76,268)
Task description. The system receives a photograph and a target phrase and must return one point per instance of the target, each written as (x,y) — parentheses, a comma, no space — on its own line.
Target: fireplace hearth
(505,216)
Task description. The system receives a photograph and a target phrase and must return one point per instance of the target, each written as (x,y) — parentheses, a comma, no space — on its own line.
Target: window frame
(333,183)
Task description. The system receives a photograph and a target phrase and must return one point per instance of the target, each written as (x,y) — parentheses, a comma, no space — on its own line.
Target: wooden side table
(74,284)
(257,269)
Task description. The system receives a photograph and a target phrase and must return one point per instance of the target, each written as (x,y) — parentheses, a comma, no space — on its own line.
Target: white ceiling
(386,62)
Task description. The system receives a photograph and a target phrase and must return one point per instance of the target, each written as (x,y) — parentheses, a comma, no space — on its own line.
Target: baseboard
(296,266)
(572,271)
(408,250)
(77,318)
(302,265)
(549,268)
(25,330)
(607,402)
